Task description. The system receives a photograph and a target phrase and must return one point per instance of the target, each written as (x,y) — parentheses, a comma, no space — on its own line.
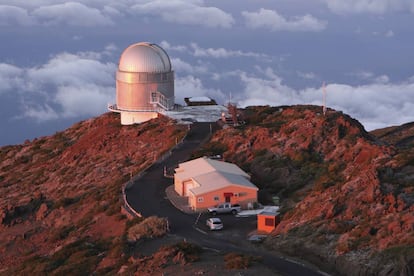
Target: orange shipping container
(267,222)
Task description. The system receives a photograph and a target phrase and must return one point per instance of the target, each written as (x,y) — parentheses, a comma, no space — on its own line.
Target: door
(227,197)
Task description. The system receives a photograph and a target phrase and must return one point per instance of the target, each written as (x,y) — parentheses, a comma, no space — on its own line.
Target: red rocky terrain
(347,196)
(60,207)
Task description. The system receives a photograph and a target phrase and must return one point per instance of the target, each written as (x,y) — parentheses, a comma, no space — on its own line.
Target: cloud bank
(272,20)
(104,13)
(369,6)
(67,86)
(376,104)
(186,12)
(12,15)
(71,13)
(72,85)
(68,13)
(196,51)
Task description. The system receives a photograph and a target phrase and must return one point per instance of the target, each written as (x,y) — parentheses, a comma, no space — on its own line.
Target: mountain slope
(400,136)
(347,195)
(60,204)
(347,199)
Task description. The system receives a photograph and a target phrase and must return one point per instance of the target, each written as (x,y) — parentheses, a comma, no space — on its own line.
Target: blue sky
(58,58)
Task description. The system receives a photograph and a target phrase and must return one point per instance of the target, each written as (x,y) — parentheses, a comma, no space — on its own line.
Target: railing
(114,108)
(160,100)
(128,207)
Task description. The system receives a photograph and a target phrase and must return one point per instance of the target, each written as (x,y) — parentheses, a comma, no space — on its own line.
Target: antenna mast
(324,99)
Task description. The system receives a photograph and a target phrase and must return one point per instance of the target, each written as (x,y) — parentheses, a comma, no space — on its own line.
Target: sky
(58,58)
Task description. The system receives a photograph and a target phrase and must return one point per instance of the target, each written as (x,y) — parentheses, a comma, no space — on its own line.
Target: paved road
(147,196)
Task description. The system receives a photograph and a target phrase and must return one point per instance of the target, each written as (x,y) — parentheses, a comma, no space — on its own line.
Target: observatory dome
(144,57)
(144,83)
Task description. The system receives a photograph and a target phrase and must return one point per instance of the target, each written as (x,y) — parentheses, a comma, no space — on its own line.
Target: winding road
(147,196)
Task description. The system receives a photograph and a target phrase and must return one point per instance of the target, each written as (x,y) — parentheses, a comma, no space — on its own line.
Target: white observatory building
(144,83)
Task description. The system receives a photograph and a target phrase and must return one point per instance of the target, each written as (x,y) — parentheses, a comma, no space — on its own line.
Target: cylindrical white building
(144,83)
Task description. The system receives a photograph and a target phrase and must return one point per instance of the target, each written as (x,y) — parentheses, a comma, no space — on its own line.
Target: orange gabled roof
(217,180)
(203,165)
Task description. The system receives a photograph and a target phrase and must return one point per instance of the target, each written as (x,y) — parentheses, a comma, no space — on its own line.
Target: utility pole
(324,99)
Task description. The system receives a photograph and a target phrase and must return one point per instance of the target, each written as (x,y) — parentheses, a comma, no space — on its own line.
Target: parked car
(225,208)
(214,224)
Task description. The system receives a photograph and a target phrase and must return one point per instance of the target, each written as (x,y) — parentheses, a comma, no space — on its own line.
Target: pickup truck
(225,208)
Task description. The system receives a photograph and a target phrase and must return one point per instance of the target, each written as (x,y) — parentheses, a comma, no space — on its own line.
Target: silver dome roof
(144,57)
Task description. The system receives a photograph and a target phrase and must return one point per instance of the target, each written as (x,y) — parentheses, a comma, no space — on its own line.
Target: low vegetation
(330,175)
(149,228)
(210,149)
(185,252)
(63,204)
(62,213)
(238,261)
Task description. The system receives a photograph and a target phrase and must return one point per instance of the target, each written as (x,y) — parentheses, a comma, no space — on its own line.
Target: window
(242,194)
(269,221)
(200,199)
(216,198)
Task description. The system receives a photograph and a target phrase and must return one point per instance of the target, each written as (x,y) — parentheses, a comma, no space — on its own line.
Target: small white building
(208,182)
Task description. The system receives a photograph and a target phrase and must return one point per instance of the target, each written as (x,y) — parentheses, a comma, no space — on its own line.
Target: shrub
(66,201)
(183,252)
(78,258)
(259,153)
(112,209)
(133,222)
(23,211)
(151,227)
(237,261)
(395,252)
(121,217)
(191,251)
(35,265)
(61,233)
(211,149)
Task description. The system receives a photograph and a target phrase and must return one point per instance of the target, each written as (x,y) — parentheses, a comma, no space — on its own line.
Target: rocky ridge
(347,197)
